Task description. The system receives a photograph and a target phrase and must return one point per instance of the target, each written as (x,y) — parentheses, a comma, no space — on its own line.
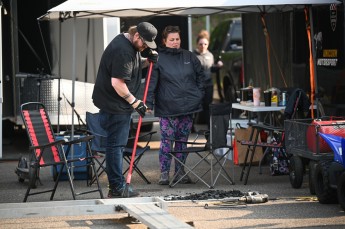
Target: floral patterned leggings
(177,128)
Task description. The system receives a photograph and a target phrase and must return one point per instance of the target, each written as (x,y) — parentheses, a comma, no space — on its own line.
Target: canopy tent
(73,9)
(139,8)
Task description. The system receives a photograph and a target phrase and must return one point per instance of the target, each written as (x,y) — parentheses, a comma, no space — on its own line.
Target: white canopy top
(142,8)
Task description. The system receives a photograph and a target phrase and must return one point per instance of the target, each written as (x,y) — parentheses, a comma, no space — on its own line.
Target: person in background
(207,62)
(175,94)
(117,84)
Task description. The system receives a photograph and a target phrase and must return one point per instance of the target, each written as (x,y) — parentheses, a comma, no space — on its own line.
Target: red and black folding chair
(47,151)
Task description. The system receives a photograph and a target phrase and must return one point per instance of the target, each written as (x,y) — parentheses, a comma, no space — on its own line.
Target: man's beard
(138,47)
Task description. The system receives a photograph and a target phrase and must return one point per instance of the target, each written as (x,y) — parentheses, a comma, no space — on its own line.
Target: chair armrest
(58,142)
(187,142)
(267,127)
(78,140)
(89,132)
(147,135)
(143,135)
(192,143)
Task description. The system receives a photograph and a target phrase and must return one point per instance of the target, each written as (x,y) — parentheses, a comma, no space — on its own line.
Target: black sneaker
(122,192)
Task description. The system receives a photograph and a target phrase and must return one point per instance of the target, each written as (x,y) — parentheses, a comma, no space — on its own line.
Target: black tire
(312,165)
(21,180)
(296,171)
(341,190)
(323,191)
(32,176)
(89,172)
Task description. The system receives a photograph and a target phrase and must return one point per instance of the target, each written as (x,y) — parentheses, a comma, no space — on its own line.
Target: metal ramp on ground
(151,211)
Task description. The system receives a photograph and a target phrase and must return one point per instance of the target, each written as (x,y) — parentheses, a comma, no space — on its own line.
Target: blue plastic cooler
(79,173)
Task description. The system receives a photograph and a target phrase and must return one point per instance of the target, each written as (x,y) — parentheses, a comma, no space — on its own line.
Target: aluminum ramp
(151,211)
(153,216)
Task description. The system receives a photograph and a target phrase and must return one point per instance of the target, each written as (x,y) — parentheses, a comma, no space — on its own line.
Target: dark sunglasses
(142,40)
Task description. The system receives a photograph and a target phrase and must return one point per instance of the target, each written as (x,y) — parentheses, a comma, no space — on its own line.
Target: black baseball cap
(148,32)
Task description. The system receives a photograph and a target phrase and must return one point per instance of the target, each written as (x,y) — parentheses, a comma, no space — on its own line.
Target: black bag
(279,162)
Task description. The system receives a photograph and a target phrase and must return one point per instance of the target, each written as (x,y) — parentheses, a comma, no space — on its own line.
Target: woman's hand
(219,64)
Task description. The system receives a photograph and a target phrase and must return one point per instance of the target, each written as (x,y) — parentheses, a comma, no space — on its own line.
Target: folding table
(253,142)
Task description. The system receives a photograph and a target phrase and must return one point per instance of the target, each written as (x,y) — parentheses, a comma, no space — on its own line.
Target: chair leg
(70,182)
(92,164)
(100,170)
(135,167)
(33,177)
(251,149)
(190,170)
(221,164)
(211,164)
(74,194)
(208,163)
(57,182)
(267,151)
(27,194)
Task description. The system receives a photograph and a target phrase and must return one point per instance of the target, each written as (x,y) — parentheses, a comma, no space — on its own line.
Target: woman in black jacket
(176,92)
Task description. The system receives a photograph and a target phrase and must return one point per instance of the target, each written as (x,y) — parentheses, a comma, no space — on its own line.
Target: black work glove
(153,56)
(140,107)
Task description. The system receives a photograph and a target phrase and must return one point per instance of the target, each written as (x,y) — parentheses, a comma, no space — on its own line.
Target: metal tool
(254,198)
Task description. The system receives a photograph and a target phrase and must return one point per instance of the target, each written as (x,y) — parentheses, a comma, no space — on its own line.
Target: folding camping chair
(215,153)
(47,151)
(200,149)
(98,145)
(221,146)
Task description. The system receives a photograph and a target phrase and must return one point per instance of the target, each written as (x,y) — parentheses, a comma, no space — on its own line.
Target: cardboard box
(241,150)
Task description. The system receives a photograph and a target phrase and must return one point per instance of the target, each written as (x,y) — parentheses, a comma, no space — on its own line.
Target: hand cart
(307,148)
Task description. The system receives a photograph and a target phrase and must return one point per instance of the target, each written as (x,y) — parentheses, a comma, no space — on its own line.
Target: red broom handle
(129,175)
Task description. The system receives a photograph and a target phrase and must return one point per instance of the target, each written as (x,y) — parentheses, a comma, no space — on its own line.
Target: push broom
(125,192)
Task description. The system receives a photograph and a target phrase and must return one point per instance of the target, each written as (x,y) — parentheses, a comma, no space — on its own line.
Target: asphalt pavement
(286,207)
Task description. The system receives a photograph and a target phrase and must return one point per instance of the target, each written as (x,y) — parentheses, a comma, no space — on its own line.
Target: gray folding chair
(220,146)
(215,152)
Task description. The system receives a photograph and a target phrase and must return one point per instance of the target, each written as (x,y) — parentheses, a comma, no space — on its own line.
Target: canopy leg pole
(312,60)
(1,85)
(316,90)
(268,49)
